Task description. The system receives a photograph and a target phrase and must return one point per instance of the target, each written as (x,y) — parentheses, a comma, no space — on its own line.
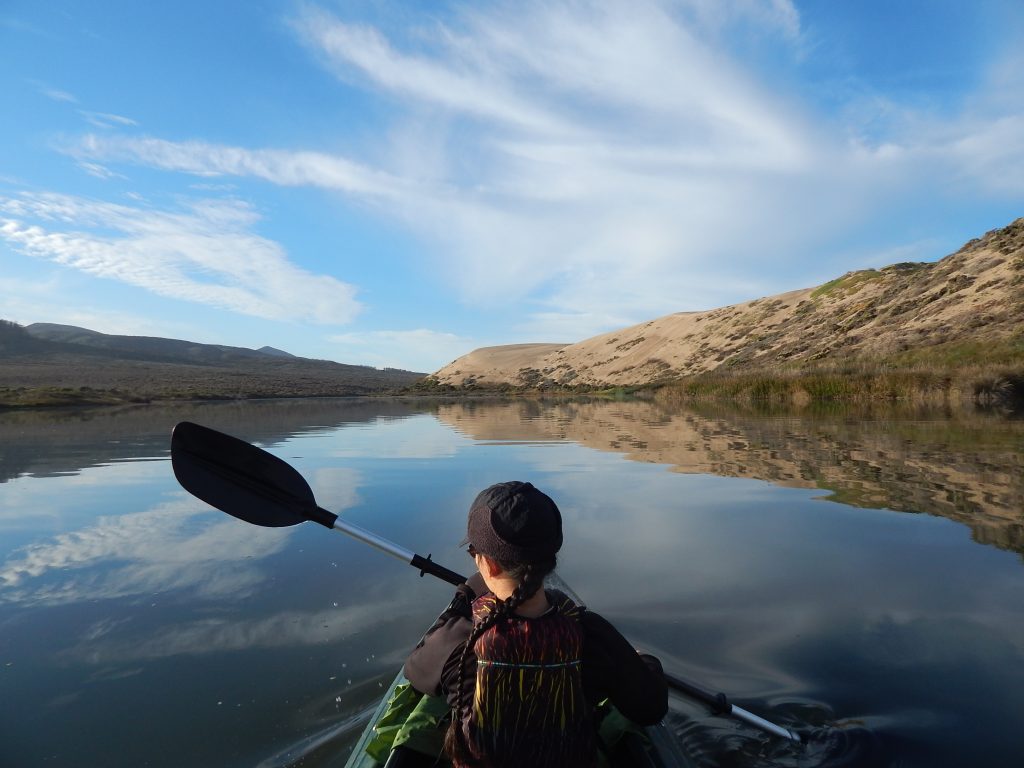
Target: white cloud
(58,95)
(107,120)
(600,164)
(98,170)
(286,168)
(205,253)
(27,301)
(544,199)
(625,163)
(418,349)
(47,90)
(993,151)
(459,87)
(777,15)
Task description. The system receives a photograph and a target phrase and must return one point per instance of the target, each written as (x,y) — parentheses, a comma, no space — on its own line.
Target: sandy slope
(975,293)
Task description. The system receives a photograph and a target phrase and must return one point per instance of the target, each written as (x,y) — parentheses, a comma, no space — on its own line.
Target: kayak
(651,747)
(635,747)
(261,489)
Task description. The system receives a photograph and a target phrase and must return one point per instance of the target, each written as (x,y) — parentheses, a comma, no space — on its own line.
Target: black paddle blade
(239,478)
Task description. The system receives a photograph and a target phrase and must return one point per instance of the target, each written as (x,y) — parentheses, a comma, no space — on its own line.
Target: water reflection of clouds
(286,629)
(336,488)
(112,473)
(643,544)
(176,545)
(649,515)
(413,437)
(25,501)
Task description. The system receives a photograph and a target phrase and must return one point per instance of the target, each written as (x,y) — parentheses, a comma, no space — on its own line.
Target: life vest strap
(554,665)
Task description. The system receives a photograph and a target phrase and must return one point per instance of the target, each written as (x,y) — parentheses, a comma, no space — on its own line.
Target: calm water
(864,571)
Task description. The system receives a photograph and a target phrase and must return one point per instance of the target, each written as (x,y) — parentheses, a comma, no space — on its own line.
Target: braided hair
(530,578)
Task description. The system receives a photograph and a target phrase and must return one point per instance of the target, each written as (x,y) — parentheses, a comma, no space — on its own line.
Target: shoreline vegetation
(972,374)
(997,387)
(960,376)
(964,374)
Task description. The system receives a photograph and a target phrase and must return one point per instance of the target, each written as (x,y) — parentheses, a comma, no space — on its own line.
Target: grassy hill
(955,326)
(47,364)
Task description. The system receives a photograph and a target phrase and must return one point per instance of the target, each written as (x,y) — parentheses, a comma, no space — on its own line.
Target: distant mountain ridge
(275,352)
(52,364)
(972,297)
(148,347)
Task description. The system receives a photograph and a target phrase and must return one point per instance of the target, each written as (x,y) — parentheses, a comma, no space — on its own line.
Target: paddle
(259,488)
(719,704)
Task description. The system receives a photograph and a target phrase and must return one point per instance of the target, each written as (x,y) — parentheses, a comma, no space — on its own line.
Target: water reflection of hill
(967,469)
(46,443)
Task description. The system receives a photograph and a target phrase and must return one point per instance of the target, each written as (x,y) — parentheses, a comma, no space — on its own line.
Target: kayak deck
(656,748)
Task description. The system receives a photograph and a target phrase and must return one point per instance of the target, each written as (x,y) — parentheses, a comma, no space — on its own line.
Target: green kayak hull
(655,747)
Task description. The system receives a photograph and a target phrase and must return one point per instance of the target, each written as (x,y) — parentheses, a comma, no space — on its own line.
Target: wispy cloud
(284,167)
(107,120)
(603,163)
(98,170)
(204,253)
(456,86)
(627,160)
(58,95)
(28,301)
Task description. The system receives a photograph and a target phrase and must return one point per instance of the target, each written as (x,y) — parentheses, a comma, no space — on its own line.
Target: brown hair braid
(531,578)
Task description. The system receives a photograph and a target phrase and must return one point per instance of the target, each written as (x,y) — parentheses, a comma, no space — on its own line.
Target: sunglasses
(471,550)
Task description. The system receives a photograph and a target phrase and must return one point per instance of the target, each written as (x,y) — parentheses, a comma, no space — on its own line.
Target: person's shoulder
(597,626)
(564,604)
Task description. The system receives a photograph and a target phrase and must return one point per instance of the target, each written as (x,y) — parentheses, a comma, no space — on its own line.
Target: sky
(398,183)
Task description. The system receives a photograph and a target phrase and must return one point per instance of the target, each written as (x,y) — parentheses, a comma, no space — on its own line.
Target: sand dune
(973,294)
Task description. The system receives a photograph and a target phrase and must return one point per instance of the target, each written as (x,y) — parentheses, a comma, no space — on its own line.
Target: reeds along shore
(975,374)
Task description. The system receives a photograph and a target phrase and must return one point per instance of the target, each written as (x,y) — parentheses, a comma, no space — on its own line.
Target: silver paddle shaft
(368,537)
(424,564)
(764,725)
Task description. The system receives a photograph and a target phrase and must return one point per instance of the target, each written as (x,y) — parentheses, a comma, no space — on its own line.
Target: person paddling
(524,667)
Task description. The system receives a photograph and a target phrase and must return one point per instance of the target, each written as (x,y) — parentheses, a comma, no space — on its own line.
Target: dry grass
(67,380)
(973,372)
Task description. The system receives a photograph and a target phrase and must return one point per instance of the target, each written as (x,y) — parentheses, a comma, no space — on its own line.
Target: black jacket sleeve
(612,669)
(441,647)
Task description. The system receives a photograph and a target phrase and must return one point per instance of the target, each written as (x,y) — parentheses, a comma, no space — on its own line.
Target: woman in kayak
(523,668)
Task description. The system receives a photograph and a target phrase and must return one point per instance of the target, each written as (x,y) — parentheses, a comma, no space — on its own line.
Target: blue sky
(396,184)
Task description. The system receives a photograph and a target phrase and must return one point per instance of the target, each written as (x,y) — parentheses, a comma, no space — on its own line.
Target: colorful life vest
(528,707)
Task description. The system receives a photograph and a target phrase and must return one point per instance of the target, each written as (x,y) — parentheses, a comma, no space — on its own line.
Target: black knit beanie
(513,522)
